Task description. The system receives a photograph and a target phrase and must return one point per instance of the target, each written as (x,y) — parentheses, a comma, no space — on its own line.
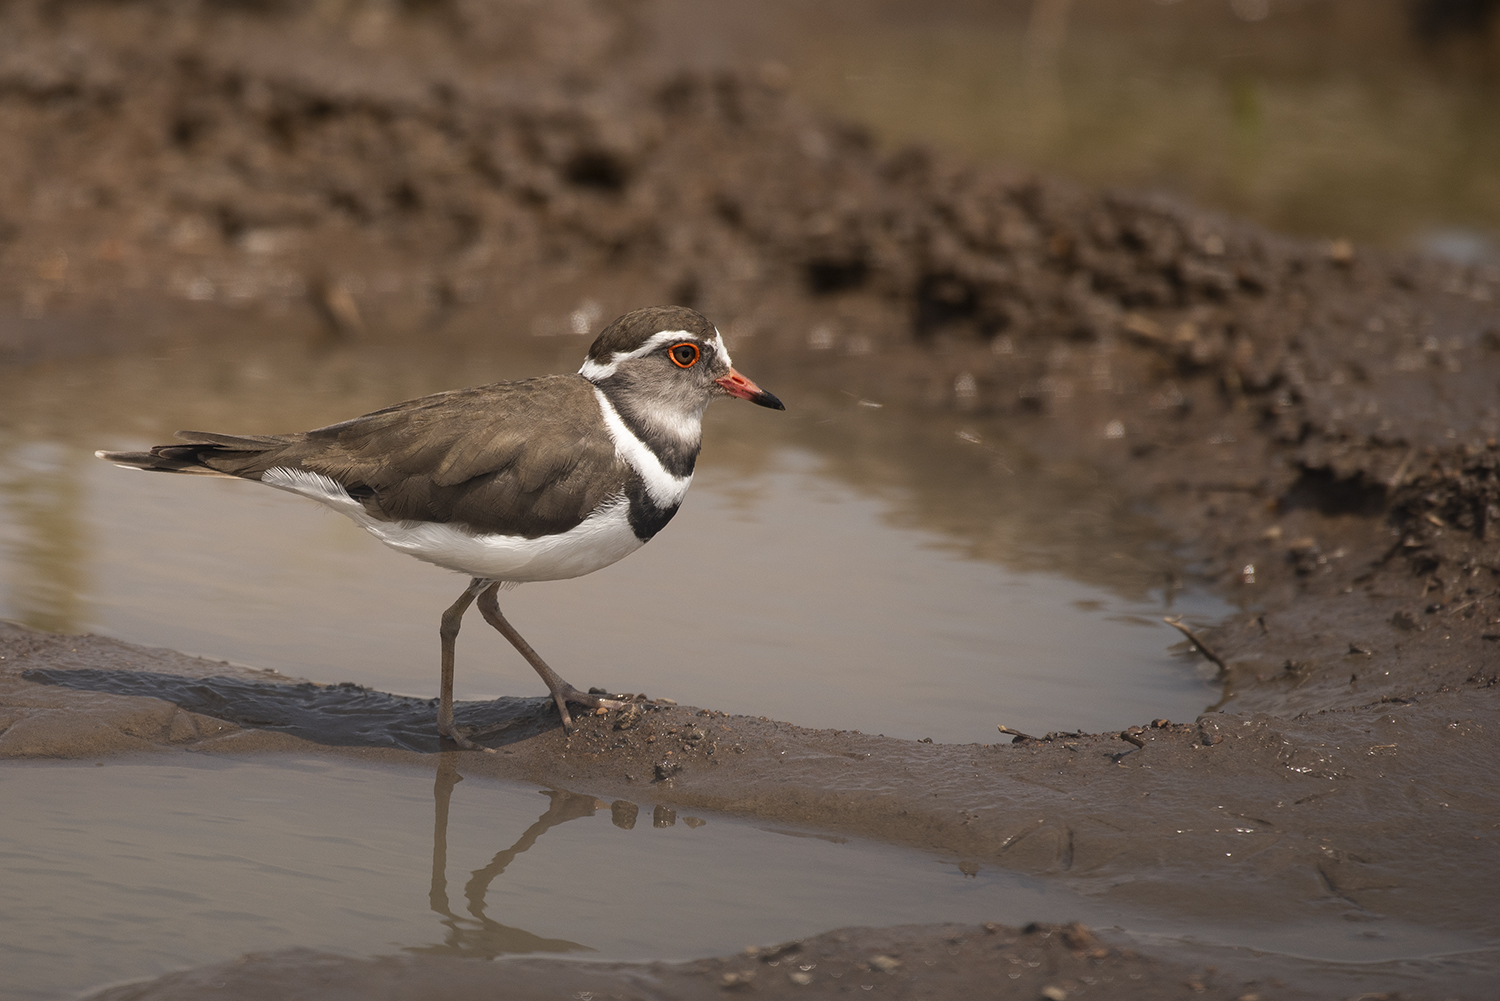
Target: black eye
(684,355)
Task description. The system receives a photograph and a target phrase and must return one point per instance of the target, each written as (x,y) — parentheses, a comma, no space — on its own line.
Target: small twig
(1131,738)
(1014,733)
(1400,473)
(1176,623)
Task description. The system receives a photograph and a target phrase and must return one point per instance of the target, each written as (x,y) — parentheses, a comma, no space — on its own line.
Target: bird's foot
(460,736)
(567,693)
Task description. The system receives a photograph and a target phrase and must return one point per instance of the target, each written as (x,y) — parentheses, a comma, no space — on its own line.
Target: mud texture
(1234,819)
(911,962)
(1318,423)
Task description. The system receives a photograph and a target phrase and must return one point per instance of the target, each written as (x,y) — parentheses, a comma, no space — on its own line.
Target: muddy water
(126,871)
(841,565)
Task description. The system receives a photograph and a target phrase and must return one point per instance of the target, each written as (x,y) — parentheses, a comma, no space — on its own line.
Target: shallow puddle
(127,871)
(841,565)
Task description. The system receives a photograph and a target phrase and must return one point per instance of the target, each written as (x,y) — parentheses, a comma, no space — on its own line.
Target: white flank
(602,538)
(320,488)
(665,489)
(594,371)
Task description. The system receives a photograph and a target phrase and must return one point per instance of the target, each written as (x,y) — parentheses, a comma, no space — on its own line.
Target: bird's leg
(448,632)
(562,692)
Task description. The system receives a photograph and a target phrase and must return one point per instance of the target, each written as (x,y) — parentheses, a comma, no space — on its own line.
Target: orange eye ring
(683,354)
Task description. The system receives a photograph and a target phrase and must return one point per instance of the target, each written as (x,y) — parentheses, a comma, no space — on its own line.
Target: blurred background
(1376,120)
(329,153)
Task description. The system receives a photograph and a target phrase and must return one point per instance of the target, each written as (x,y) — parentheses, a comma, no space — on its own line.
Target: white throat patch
(665,489)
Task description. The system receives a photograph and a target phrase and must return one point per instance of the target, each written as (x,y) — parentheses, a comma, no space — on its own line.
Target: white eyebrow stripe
(594,371)
(665,489)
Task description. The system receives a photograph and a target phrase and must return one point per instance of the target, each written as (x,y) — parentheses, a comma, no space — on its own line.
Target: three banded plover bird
(541,479)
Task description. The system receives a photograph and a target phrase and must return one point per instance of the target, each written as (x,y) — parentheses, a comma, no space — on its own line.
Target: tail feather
(206,453)
(154,463)
(233,442)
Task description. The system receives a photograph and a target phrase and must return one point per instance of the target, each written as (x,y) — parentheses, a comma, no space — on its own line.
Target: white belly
(602,538)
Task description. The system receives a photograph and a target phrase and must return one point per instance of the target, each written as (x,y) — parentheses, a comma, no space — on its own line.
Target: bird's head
(671,357)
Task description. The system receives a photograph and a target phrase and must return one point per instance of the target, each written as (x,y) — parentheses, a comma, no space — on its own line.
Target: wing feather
(522,458)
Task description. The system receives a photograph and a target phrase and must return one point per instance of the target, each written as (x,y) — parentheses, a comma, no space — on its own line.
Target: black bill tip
(765,399)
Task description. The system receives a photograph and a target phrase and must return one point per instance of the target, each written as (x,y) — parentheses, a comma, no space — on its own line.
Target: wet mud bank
(1246,830)
(1319,424)
(957,958)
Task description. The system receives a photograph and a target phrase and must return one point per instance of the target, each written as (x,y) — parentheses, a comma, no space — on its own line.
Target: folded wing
(521,458)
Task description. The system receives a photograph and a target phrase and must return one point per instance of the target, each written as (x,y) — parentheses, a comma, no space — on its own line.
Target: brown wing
(521,458)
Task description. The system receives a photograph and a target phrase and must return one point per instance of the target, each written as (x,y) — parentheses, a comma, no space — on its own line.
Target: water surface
(127,871)
(841,565)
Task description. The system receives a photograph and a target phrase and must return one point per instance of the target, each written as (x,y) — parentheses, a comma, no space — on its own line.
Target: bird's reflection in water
(477,936)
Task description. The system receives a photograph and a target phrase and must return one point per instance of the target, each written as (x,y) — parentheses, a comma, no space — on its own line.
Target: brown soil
(904,963)
(1318,422)
(1376,810)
